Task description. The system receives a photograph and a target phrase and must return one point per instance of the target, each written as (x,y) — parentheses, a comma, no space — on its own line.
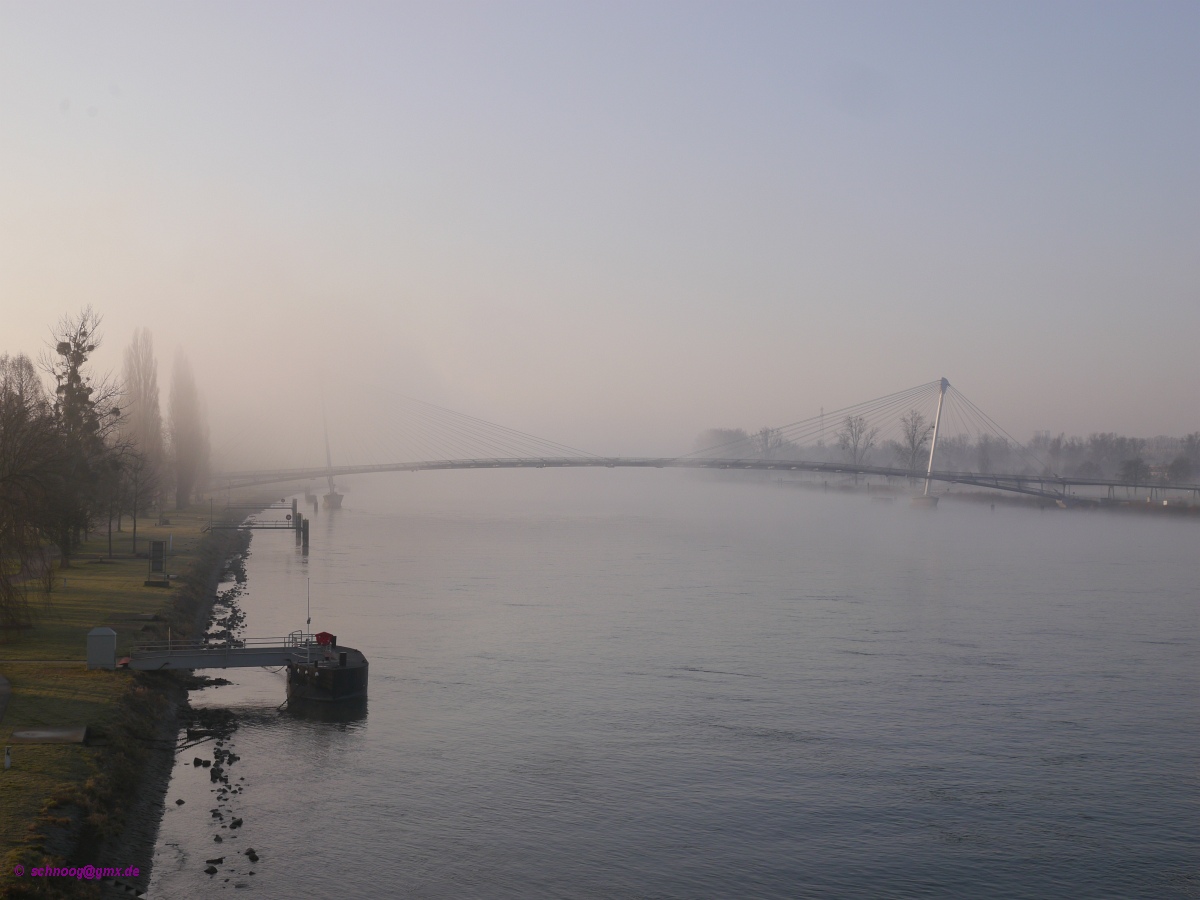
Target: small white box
(102,648)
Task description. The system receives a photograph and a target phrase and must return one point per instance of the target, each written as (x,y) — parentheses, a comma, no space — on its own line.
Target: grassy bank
(61,801)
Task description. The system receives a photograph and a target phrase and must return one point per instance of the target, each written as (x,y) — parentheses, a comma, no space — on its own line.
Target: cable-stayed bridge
(928,430)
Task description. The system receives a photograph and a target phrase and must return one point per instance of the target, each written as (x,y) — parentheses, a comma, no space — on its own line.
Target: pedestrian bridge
(297,647)
(905,426)
(1050,486)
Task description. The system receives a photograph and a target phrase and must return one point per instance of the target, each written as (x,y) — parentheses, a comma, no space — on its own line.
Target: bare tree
(984,454)
(1191,447)
(856,439)
(142,486)
(189,432)
(85,414)
(1135,470)
(1109,452)
(915,433)
(111,488)
(767,442)
(1180,469)
(31,469)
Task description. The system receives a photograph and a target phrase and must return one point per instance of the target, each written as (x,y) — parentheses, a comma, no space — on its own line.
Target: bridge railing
(305,645)
(1041,484)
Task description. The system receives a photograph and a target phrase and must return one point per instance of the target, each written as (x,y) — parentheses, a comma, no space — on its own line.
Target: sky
(615,224)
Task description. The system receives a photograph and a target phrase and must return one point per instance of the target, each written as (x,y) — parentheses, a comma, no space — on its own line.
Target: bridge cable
(814,425)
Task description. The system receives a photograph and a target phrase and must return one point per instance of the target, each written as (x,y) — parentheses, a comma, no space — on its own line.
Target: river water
(655,684)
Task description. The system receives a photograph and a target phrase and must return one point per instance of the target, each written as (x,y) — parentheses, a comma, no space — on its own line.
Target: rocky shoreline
(134,843)
(114,818)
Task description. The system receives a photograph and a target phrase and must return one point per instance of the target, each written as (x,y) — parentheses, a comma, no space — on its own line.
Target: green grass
(50,695)
(94,590)
(99,590)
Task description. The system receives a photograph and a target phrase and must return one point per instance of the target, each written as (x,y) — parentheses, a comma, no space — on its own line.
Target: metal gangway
(297,647)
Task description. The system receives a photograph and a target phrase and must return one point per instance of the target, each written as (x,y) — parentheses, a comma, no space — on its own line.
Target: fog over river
(654,684)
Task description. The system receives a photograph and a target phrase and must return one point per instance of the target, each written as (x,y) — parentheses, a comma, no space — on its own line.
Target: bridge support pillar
(937,421)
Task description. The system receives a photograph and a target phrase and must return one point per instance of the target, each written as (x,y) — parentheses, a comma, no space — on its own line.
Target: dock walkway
(249,653)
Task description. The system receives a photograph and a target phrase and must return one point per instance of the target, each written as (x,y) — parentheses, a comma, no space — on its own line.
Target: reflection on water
(635,684)
(343,712)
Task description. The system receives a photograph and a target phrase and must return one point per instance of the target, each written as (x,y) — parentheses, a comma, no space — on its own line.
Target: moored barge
(334,673)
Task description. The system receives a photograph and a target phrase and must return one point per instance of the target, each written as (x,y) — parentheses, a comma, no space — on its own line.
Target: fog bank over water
(615,225)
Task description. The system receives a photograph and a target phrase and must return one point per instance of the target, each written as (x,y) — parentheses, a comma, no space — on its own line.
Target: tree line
(80,452)
(857,442)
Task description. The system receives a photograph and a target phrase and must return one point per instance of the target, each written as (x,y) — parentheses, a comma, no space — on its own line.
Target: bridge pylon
(937,421)
(333,500)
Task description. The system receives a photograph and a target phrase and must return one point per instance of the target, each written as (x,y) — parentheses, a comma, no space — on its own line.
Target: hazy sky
(616,224)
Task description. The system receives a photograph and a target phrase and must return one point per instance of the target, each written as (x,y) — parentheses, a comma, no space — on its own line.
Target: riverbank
(100,802)
(1154,505)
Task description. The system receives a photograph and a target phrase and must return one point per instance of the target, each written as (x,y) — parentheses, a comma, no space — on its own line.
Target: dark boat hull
(328,682)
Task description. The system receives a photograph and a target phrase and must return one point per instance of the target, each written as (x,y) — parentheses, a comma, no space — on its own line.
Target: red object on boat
(324,637)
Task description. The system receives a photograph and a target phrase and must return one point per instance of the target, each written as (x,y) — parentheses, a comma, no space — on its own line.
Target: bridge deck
(1050,486)
(252,525)
(250,653)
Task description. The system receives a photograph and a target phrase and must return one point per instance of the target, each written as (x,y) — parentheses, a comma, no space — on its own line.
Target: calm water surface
(644,684)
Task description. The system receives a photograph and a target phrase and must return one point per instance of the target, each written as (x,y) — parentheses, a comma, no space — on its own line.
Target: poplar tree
(142,427)
(189,432)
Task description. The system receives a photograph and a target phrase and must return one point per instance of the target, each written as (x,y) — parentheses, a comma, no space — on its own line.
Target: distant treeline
(855,442)
(79,452)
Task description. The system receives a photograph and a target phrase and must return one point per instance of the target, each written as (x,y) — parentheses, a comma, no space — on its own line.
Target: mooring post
(304,533)
(937,421)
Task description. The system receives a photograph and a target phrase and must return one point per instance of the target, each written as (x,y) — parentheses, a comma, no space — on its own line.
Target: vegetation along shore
(92,472)
(100,800)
